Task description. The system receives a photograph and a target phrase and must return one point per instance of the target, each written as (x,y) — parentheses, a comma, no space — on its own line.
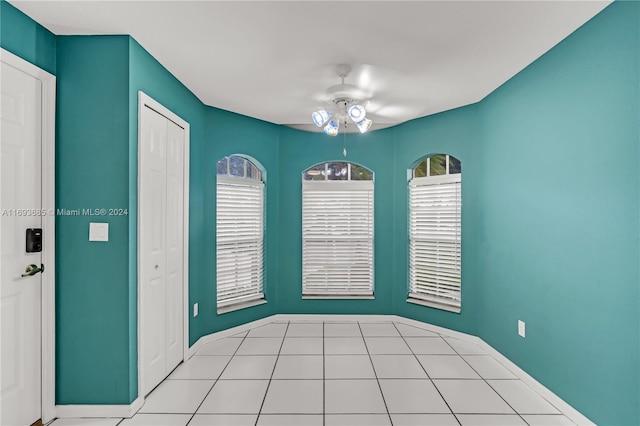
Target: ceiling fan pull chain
(344,139)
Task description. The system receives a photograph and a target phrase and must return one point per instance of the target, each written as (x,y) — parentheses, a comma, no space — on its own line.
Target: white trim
(566,409)
(105,411)
(48,409)
(144,99)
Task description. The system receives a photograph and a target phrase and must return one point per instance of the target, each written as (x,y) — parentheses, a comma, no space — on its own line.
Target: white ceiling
(274,60)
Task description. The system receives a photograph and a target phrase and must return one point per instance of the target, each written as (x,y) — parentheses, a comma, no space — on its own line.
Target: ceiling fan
(344,102)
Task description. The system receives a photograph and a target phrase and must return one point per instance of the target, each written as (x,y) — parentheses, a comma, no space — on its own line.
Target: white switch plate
(521,328)
(98,231)
(195,309)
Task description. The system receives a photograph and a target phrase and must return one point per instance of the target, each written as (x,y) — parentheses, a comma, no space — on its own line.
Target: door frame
(145,100)
(48,328)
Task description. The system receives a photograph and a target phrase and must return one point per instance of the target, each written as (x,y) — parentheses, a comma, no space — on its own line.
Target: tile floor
(339,374)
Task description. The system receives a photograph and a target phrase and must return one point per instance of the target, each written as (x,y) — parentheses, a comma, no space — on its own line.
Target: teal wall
(92,172)
(24,37)
(558,222)
(228,133)
(301,150)
(551,206)
(456,133)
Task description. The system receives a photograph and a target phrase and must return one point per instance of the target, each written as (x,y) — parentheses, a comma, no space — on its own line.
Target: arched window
(239,233)
(435,232)
(337,230)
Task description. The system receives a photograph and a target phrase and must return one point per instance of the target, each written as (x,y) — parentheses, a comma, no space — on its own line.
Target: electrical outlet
(521,328)
(195,309)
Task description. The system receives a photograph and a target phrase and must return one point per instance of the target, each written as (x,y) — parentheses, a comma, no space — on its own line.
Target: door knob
(32,270)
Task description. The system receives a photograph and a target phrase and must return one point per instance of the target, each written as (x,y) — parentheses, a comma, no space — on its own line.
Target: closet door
(161,206)
(175,240)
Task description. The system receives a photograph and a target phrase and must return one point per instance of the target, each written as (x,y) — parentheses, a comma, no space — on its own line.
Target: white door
(21,199)
(161,248)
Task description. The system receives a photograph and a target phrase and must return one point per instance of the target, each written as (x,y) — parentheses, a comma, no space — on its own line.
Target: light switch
(98,231)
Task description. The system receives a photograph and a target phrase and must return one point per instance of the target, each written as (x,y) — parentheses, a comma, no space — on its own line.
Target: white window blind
(434,240)
(240,240)
(337,238)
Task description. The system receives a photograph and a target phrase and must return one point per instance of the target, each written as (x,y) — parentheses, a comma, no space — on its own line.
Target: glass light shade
(364,125)
(357,113)
(320,117)
(331,128)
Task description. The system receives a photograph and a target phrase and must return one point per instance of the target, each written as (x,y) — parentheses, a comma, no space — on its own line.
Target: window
(337,231)
(239,233)
(435,232)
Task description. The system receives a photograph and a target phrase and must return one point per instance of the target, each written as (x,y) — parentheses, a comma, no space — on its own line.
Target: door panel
(152,246)
(21,97)
(175,241)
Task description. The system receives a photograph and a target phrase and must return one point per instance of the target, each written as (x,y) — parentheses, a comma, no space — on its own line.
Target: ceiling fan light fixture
(320,117)
(331,128)
(364,125)
(357,113)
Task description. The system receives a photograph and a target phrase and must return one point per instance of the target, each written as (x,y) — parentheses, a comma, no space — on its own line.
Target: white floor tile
(235,397)
(379,330)
(410,331)
(304,330)
(157,420)
(348,367)
(240,335)
(447,367)
(357,420)
(429,346)
(269,330)
(424,420)
(177,396)
(86,422)
(387,346)
(224,420)
(201,367)
(342,330)
(490,420)
(412,396)
(488,368)
(472,396)
(299,367)
(220,347)
(290,420)
(522,398)
(294,397)
(262,346)
(465,348)
(254,367)
(397,367)
(547,420)
(353,396)
(344,346)
(302,346)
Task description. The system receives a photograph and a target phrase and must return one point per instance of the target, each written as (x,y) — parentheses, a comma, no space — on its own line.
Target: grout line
(376,375)
(218,379)
(272,371)
(425,372)
(324,378)
(485,380)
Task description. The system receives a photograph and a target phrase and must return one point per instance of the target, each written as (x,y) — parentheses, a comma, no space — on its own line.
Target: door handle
(32,270)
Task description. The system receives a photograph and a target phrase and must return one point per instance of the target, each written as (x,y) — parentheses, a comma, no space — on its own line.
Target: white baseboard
(80,411)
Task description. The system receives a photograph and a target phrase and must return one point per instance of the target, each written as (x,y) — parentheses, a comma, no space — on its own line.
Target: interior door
(161,204)
(175,241)
(21,197)
(152,246)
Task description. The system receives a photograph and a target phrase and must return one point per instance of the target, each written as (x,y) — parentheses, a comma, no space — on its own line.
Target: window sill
(241,305)
(335,296)
(433,305)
